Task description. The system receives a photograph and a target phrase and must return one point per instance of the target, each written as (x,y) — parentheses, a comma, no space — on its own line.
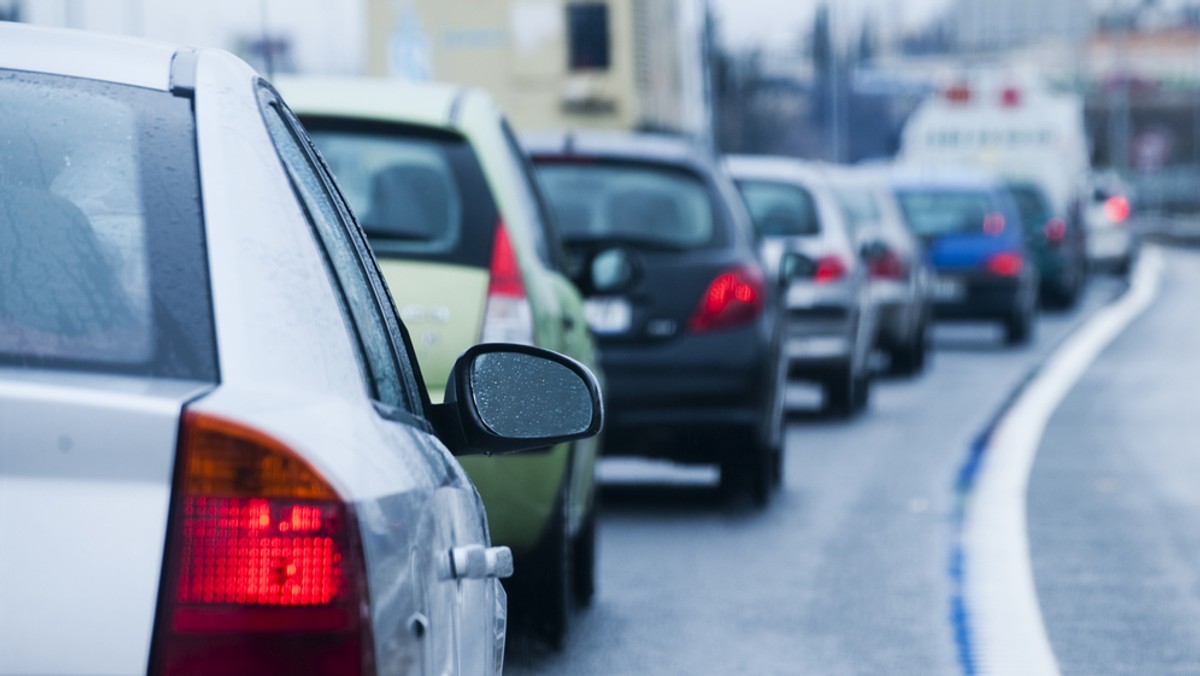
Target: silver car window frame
(415,402)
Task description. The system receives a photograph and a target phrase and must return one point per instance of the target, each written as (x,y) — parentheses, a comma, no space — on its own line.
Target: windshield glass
(780,209)
(859,206)
(633,203)
(407,186)
(1031,204)
(933,212)
(102,256)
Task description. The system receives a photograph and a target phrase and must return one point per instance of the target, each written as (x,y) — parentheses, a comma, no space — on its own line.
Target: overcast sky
(776,24)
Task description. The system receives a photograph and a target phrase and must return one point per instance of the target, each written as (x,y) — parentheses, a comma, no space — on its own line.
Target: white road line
(1006,622)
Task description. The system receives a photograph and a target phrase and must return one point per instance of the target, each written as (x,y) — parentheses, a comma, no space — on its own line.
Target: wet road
(847,571)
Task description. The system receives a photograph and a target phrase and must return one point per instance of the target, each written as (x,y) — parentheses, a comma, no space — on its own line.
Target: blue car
(976,245)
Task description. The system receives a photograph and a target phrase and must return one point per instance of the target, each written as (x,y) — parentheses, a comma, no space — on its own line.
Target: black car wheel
(748,469)
(540,591)
(1018,329)
(584,561)
(841,395)
(909,359)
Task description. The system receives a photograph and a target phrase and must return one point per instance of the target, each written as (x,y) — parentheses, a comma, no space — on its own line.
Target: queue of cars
(245,349)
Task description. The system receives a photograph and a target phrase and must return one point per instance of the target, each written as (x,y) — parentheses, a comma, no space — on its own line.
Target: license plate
(948,289)
(608,315)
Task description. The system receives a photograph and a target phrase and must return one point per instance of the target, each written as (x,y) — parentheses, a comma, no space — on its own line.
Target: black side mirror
(604,270)
(793,265)
(503,398)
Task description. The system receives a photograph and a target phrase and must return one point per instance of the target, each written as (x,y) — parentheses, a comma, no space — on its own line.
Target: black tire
(541,596)
(748,469)
(1018,330)
(909,359)
(862,392)
(583,561)
(841,398)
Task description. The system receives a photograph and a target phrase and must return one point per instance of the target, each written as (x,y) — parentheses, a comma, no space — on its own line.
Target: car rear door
(460,612)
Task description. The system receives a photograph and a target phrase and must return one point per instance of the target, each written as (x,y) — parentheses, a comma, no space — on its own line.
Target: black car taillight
(264,571)
(734,298)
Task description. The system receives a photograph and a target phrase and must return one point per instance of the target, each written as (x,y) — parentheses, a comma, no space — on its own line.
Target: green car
(443,191)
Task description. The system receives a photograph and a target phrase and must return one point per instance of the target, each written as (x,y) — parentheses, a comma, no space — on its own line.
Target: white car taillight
(264,570)
(508,316)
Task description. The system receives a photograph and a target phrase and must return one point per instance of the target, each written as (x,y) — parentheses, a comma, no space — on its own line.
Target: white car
(216,454)
(1112,241)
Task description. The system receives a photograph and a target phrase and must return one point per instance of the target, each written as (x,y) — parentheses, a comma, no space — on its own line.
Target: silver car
(808,243)
(216,454)
(900,276)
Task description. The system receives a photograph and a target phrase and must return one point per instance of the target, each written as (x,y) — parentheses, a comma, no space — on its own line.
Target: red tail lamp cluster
(1117,208)
(733,299)
(264,571)
(1006,264)
(1055,230)
(888,265)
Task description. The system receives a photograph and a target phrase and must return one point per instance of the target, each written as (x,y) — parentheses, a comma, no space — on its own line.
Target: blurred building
(558,64)
(306,36)
(996,25)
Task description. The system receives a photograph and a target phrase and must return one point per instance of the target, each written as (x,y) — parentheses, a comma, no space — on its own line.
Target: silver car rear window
(102,264)
(780,209)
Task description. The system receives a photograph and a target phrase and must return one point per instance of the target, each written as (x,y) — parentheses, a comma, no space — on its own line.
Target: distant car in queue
(830,314)
(1057,243)
(895,257)
(683,311)
(975,243)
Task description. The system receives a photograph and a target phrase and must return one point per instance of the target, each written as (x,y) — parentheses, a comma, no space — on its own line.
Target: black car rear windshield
(780,209)
(418,193)
(102,256)
(932,212)
(639,204)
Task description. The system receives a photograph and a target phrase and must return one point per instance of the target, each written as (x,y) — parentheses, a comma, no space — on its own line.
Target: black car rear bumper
(696,398)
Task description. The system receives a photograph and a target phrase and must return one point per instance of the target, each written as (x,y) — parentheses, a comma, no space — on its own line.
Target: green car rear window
(103,264)
(418,193)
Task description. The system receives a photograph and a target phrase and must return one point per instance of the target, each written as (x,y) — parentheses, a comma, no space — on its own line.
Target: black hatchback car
(685,317)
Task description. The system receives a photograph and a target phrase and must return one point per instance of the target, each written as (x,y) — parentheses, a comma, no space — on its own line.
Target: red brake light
(1055,230)
(1010,97)
(888,265)
(264,572)
(734,298)
(959,93)
(1006,264)
(1116,208)
(508,316)
(829,269)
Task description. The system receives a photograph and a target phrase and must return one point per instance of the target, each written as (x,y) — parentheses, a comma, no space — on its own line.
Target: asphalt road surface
(848,570)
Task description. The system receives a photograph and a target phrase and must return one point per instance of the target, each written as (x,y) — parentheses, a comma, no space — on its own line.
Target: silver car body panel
(85,480)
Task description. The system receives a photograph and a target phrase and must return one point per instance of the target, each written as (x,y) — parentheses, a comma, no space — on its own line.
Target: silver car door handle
(476,562)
